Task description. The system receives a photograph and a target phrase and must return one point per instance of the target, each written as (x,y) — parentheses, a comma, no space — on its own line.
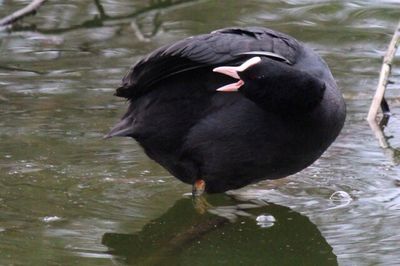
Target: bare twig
(138,32)
(100,8)
(384,76)
(378,133)
(116,20)
(4,99)
(19,14)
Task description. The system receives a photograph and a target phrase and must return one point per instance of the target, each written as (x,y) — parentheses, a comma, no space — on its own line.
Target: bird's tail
(123,128)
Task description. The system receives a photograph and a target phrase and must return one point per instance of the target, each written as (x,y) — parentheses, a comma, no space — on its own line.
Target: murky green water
(67,197)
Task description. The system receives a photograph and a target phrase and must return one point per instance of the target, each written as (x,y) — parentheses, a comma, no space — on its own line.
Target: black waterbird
(222,110)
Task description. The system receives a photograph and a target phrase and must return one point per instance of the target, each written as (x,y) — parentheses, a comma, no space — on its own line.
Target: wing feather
(220,47)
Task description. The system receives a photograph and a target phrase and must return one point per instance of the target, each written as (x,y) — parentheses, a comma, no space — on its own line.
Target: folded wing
(226,46)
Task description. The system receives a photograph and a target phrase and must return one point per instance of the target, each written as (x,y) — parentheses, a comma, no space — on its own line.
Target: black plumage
(286,114)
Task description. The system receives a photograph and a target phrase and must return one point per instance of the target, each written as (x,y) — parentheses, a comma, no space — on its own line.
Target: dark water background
(67,197)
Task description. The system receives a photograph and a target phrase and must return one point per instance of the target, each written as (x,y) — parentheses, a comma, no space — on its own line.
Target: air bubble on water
(340,196)
(340,199)
(265,221)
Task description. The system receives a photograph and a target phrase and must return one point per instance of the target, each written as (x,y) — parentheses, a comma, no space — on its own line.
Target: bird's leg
(200,203)
(198,187)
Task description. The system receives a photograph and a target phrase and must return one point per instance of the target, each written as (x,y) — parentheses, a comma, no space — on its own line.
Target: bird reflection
(235,233)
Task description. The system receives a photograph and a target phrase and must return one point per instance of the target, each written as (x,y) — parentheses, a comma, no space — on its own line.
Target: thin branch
(384,76)
(4,99)
(19,14)
(100,8)
(378,134)
(99,22)
(138,32)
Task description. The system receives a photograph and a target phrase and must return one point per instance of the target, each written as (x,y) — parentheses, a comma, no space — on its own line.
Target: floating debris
(51,219)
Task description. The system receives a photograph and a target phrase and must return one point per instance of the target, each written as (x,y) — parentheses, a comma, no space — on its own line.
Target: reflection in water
(392,153)
(182,236)
(152,10)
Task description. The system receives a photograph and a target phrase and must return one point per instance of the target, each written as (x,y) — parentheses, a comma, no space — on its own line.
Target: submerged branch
(375,127)
(98,21)
(19,14)
(4,99)
(100,8)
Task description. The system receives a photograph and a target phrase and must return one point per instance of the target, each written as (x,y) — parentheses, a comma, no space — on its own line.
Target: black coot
(232,107)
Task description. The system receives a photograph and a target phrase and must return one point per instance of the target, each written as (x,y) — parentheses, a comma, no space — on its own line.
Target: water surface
(68,197)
